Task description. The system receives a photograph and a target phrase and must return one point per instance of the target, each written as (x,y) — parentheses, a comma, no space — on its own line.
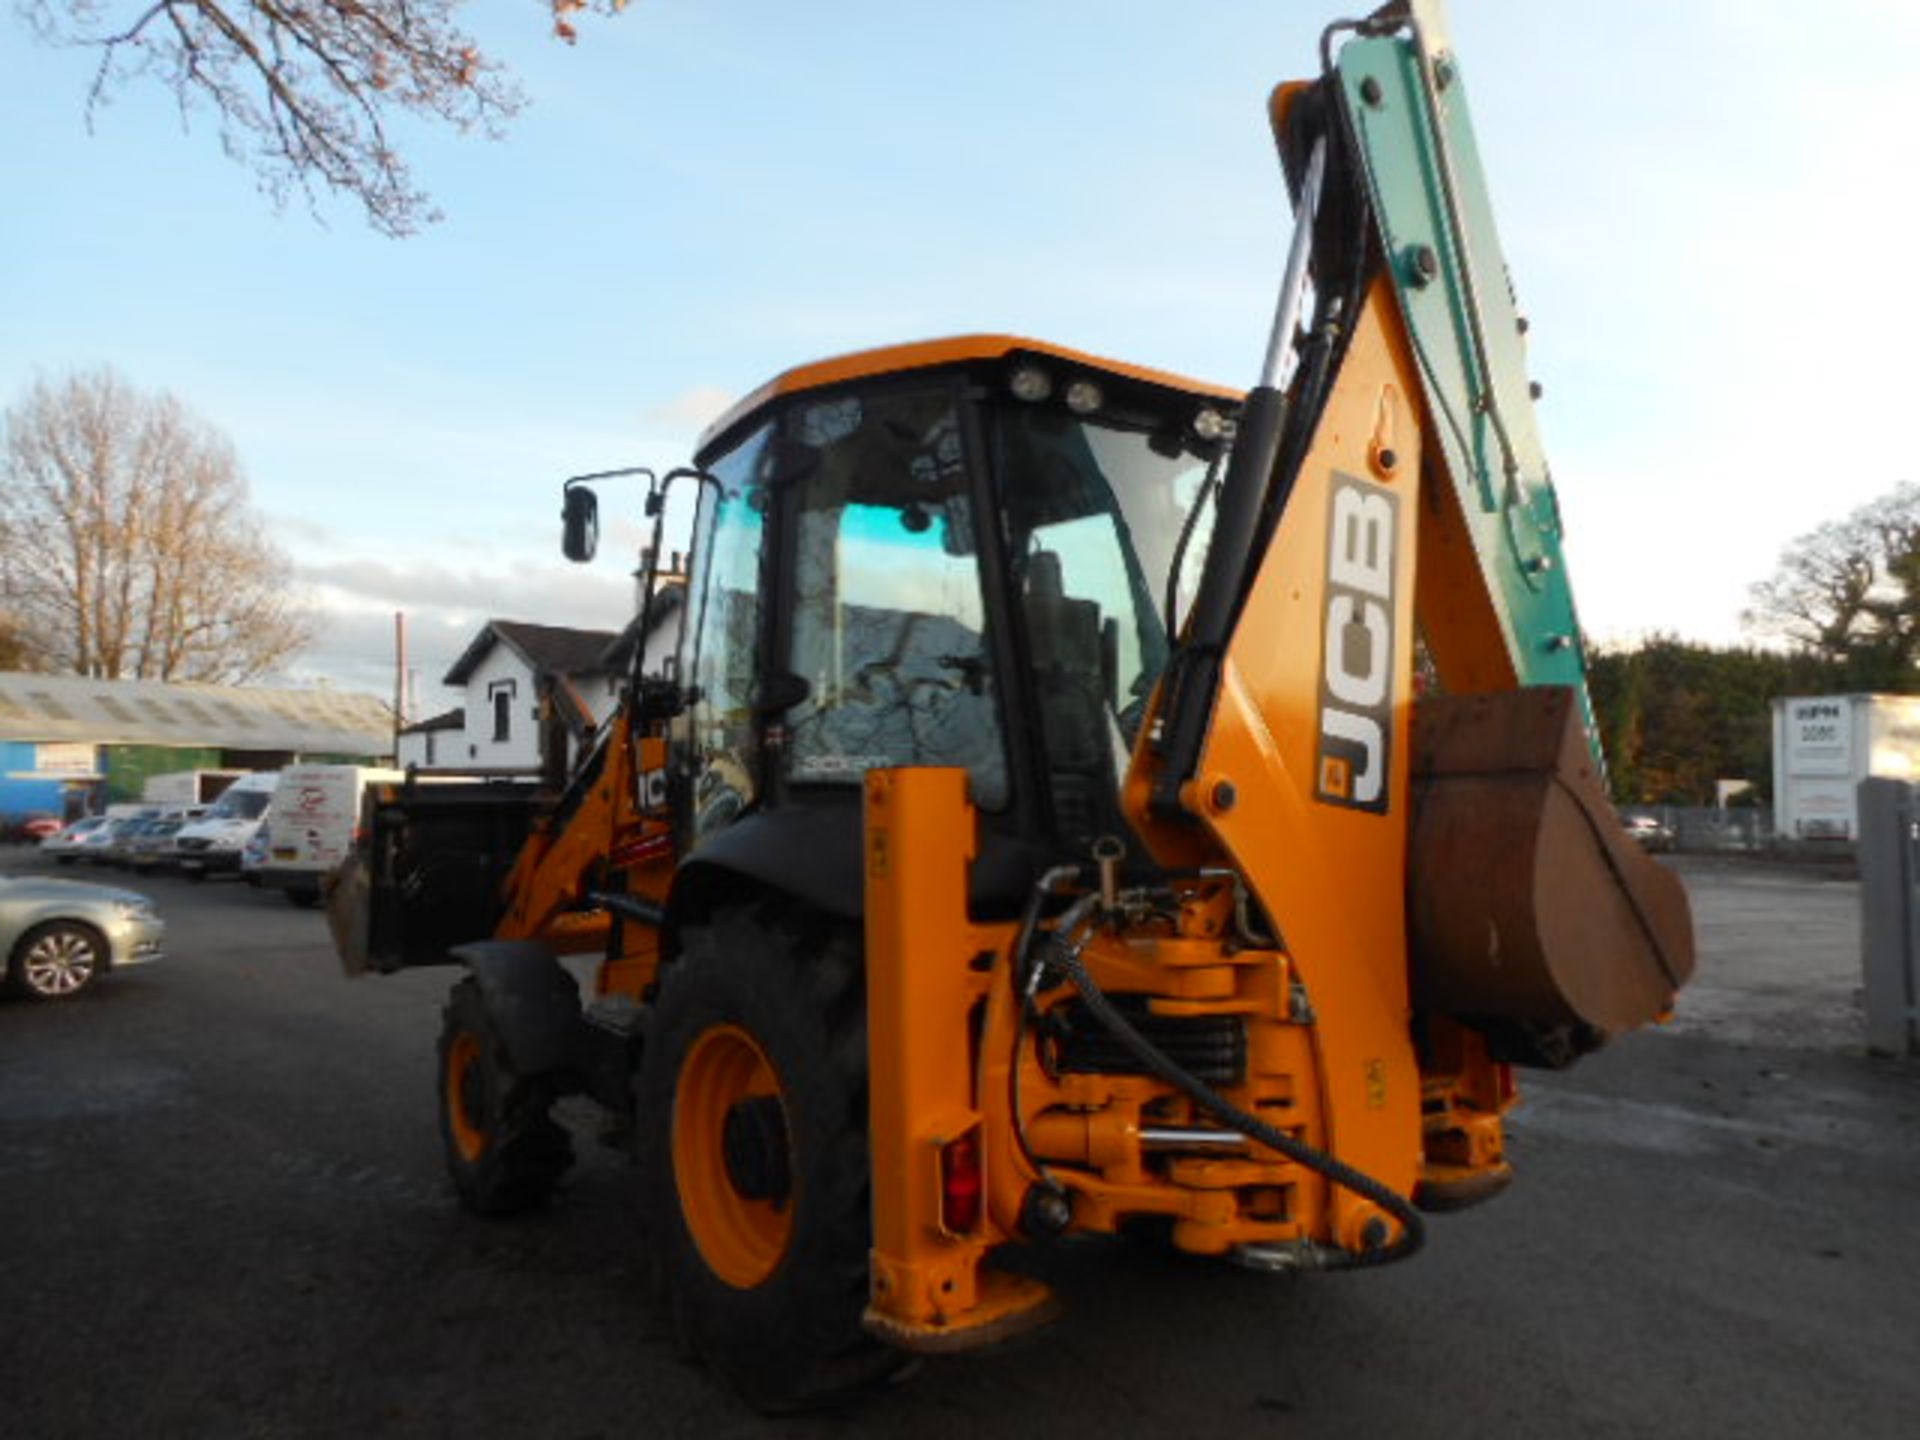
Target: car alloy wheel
(58,960)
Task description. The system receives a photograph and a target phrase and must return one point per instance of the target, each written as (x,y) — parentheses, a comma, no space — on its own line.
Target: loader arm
(602,859)
(566,848)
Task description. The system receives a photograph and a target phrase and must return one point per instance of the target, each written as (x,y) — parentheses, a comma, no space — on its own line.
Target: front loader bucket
(349,899)
(1532,914)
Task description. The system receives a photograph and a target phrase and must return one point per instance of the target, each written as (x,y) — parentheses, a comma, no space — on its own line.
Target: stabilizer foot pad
(1444,1187)
(1009,1305)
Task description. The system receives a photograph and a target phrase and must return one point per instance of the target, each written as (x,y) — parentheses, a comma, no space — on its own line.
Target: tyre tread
(530,1151)
(815,965)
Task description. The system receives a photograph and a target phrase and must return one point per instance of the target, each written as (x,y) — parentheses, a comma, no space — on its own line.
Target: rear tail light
(962,1185)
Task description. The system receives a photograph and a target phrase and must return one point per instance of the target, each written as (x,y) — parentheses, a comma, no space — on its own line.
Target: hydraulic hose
(1066,958)
(1023,1000)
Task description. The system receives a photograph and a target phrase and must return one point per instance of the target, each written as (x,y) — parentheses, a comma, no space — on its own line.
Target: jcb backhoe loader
(1083,798)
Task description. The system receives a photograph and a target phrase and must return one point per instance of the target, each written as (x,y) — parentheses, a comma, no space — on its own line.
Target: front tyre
(504,1153)
(58,960)
(751,1131)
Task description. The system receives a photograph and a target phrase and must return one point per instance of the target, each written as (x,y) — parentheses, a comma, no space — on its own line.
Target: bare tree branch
(302,90)
(1851,589)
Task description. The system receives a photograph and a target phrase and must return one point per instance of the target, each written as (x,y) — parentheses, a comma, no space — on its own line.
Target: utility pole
(399,678)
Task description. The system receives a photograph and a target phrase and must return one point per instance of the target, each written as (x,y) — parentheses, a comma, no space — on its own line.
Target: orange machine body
(1331,1051)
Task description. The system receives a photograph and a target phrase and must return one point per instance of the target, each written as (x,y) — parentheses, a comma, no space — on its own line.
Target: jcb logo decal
(652,788)
(1357,647)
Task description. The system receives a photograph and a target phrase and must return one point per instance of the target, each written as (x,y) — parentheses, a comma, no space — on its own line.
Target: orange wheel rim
(464,1095)
(741,1238)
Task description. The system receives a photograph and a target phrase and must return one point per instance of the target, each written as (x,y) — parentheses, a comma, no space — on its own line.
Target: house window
(501,694)
(429,747)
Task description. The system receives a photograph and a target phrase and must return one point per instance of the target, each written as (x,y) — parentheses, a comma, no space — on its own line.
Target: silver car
(64,847)
(59,936)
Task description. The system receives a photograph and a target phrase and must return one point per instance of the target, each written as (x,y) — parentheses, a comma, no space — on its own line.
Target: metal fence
(1742,830)
(1702,829)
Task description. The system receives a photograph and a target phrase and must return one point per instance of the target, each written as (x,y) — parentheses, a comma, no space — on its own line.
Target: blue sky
(1705,207)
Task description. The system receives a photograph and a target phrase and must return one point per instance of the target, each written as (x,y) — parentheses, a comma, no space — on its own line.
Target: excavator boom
(1512,623)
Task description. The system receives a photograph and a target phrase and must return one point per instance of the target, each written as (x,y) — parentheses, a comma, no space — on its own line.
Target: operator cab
(963,553)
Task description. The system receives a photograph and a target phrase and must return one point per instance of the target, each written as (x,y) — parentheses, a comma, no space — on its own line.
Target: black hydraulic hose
(1023,1002)
(1030,917)
(1193,675)
(1414,1235)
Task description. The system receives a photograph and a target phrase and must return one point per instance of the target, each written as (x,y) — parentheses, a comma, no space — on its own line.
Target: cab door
(717,744)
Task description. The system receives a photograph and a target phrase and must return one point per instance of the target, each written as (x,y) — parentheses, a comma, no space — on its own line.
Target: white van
(316,814)
(188,787)
(213,843)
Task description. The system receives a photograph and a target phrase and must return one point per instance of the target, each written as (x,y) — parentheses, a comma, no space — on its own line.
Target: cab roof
(926,354)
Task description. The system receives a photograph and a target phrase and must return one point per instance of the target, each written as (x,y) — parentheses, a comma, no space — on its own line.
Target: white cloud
(692,409)
(355,601)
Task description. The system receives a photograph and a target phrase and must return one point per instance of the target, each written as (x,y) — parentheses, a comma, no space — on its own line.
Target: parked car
(64,846)
(60,936)
(152,846)
(102,846)
(1652,832)
(32,829)
(125,834)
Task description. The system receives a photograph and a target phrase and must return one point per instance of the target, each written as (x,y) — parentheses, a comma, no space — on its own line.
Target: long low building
(69,744)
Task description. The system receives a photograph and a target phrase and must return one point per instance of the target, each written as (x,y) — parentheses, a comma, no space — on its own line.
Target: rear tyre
(751,1132)
(504,1152)
(57,961)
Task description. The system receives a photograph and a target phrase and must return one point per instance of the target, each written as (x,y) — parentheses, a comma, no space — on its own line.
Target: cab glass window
(1094,513)
(888,621)
(720,751)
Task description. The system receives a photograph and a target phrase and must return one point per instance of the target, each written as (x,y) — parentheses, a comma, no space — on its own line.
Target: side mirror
(580,512)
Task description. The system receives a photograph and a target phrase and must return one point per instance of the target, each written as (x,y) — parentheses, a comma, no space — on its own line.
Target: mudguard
(813,853)
(531,999)
(809,851)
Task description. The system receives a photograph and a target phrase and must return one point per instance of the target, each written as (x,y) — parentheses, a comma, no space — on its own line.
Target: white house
(436,741)
(512,670)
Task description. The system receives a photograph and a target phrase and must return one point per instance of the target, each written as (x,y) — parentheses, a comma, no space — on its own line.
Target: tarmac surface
(222,1214)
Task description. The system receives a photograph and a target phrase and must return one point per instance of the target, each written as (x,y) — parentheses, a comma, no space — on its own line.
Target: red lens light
(962,1187)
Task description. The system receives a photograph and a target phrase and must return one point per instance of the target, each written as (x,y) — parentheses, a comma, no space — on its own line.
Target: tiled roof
(453,719)
(549,649)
